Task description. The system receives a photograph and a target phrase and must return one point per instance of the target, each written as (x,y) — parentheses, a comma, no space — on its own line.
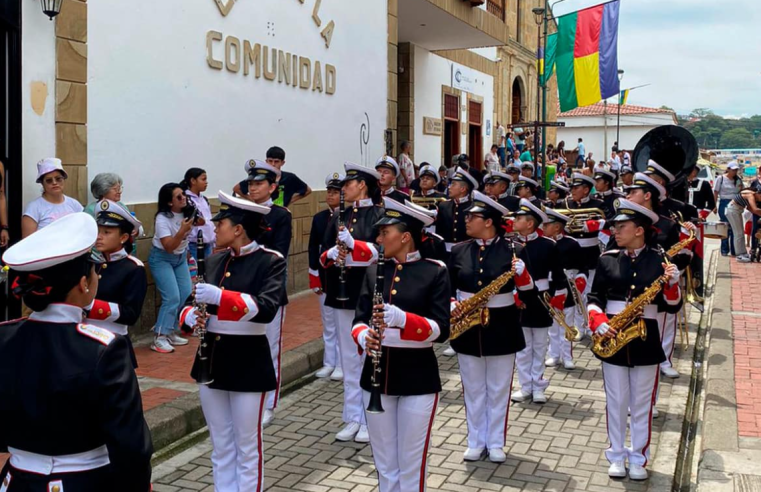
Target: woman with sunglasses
(53,204)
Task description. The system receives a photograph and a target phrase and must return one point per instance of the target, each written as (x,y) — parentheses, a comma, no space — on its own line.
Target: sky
(694,53)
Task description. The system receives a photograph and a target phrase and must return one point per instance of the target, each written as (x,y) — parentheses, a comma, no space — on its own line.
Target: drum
(716,230)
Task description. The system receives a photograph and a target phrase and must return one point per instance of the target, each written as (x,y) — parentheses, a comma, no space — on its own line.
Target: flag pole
(618,118)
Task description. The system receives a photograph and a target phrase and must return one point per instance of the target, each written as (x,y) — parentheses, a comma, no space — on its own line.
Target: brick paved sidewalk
(556,447)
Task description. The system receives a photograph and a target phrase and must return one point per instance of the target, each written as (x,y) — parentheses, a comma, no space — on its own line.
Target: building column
(393,72)
(406,95)
(71,95)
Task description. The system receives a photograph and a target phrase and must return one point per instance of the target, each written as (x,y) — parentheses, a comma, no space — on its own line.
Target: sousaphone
(671,146)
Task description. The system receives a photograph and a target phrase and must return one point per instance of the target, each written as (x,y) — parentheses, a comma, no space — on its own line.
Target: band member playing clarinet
(351,245)
(71,415)
(631,374)
(413,314)
(486,354)
(242,293)
(123,282)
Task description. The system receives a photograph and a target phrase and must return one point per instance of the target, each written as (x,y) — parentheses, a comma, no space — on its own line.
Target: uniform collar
(430,192)
(119,255)
(504,195)
(486,242)
(462,200)
(59,313)
(559,237)
(530,237)
(634,253)
(606,193)
(585,199)
(412,257)
(365,202)
(268,203)
(246,250)
(390,190)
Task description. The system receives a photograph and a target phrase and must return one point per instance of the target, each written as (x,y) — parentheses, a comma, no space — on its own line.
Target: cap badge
(104,205)
(335,175)
(393,213)
(617,203)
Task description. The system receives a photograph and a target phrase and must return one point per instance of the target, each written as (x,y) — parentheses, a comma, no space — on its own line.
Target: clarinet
(342,294)
(375,406)
(204,361)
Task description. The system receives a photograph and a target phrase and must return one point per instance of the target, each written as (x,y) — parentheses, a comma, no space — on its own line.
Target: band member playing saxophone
(413,314)
(486,351)
(244,286)
(631,373)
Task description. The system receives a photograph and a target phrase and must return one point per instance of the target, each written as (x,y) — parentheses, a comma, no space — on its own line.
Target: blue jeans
(727,245)
(193,248)
(172,278)
(501,154)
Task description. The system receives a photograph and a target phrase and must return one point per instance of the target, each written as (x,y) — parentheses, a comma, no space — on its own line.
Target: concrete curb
(173,421)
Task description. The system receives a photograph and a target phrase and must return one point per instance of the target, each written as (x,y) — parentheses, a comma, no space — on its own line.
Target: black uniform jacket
(432,247)
(397,195)
(608,198)
(278,235)
(620,277)
(408,362)
(316,235)
(472,266)
(510,202)
(569,252)
(543,263)
(360,220)
(701,195)
(67,388)
(240,353)
(667,234)
(450,221)
(589,242)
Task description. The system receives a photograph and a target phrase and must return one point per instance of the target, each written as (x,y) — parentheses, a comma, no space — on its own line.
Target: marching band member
(514,172)
(589,236)
(123,281)
(527,188)
(543,264)
(486,355)
(429,180)
(361,194)
(527,169)
(414,315)
(331,361)
(71,414)
(244,287)
(450,219)
(262,186)
(569,253)
(497,185)
(431,245)
(388,169)
(556,194)
(627,175)
(631,375)
(606,191)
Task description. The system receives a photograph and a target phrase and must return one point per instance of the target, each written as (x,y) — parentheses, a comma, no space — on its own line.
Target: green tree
(737,138)
(700,113)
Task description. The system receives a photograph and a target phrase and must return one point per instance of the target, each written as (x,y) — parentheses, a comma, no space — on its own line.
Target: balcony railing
(496,8)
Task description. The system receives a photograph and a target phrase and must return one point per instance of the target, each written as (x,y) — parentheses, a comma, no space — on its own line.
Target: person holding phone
(169,264)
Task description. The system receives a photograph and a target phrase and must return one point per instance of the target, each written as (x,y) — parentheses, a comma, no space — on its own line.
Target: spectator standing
(53,204)
(501,143)
(749,199)
(510,146)
(581,154)
(520,138)
(725,188)
(169,265)
(406,168)
(561,150)
(105,186)
(194,184)
(493,160)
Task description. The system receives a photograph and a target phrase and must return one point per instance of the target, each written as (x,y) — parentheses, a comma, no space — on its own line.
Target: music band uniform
(389,162)
(450,220)
(249,287)
(409,375)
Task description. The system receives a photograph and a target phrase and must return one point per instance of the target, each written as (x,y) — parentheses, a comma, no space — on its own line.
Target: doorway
(517,102)
(451,128)
(10,128)
(475,141)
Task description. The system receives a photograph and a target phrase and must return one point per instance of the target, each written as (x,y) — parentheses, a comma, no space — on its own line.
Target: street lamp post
(547,16)
(618,118)
(538,18)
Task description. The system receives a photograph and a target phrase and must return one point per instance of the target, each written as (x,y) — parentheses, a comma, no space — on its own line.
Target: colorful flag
(623,97)
(587,58)
(549,58)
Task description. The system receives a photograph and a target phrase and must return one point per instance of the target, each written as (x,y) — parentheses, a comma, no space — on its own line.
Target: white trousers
(332,355)
(667,325)
(351,362)
(235,427)
(580,316)
(400,438)
(560,348)
(530,360)
(275,339)
(629,389)
(486,385)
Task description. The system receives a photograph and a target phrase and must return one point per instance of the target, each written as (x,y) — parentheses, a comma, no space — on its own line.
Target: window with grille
(451,107)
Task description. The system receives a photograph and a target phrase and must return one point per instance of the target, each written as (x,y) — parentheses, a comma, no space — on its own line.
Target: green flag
(549,57)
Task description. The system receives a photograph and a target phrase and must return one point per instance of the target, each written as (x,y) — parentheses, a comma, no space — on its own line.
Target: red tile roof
(597,110)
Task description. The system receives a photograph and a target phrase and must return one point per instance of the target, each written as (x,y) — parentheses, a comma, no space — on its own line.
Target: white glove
(673,274)
(191,318)
(602,329)
(520,267)
(393,316)
(208,294)
(345,237)
(333,253)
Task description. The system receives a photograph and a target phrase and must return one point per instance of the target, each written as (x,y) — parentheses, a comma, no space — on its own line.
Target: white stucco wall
(37,65)
(156,107)
(592,130)
(431,73)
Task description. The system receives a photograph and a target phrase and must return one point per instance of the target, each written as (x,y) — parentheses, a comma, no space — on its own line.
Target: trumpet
(427,202)
(579,217)
(571,332)
(580,303)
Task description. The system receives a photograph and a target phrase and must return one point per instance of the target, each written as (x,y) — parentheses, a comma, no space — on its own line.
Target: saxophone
(473,311)
(629,324)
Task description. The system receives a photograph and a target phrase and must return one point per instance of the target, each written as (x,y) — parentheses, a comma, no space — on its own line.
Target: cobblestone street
(555,447)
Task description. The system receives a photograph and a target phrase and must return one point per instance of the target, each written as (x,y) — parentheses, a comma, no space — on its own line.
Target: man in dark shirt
(290,187)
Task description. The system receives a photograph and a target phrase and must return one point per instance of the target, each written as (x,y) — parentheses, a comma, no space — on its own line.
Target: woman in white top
(169,265)
(194,183)
(53,204)
(725,188)
(407,168)
(491,161)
